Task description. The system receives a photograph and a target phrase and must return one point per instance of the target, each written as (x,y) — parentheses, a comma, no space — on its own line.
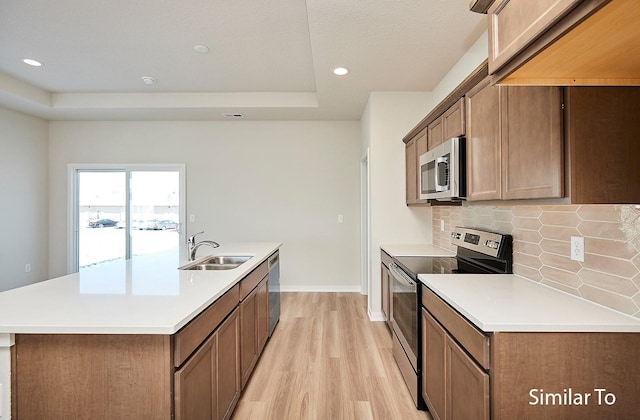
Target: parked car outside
(167,224)
(100,223)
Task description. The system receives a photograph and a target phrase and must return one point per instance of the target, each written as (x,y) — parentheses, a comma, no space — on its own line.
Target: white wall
(388,117)
(23,191)
(246,181)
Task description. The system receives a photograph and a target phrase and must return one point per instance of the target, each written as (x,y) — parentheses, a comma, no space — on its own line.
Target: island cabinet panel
(254,327)
(228,369)
(196,385)
(195,332)
(90,377)
(263,314)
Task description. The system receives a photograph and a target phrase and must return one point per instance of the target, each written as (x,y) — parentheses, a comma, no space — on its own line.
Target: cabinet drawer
(472,339)
(195,332)
(251,281)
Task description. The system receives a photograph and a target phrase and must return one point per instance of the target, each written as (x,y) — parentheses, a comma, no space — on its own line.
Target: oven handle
(401,276)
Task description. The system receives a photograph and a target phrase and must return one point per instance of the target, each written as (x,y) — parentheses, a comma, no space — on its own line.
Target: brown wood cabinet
(471,374)
(514,142)
(484,150)
(413,149)
(565,42)
(514,24)
(207,386)
(453,120)
(602,127)
(254,327)
(435,133)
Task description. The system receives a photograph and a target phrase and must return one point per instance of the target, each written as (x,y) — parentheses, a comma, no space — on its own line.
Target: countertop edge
(631,326)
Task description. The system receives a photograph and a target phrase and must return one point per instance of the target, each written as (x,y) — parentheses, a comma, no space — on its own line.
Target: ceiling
(269,59)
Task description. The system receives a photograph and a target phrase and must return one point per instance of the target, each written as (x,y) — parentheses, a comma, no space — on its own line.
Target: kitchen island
(117,340)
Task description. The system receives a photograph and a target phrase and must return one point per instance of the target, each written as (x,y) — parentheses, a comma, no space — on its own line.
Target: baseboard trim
(377,316)
(321,289)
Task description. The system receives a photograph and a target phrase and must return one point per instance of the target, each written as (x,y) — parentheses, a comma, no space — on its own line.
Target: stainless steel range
(478,252)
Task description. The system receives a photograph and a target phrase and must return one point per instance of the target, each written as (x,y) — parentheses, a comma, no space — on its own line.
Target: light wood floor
(326,360)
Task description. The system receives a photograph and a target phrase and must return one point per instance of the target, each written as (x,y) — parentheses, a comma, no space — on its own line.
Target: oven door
(404,315)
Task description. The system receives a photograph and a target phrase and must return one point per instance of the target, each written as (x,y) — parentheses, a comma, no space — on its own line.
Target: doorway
(121,212)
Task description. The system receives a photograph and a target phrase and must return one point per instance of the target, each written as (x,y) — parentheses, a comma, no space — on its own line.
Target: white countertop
(510,303)
(416,250)
(144,295)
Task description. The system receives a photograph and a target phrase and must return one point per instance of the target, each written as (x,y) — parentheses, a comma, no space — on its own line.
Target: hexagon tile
(610,273)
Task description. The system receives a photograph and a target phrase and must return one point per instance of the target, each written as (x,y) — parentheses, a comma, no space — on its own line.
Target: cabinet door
(467,386)
(453,120)
(411,168)
(483,143)
(228,365)
(514,24)
(532,140)
(196,385)
(433,366)
(263,314)
(436,133)
(248,335)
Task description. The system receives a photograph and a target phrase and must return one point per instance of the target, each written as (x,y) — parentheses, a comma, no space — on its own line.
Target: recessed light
(340,71)
(148,80)
(32,62)
(202,49)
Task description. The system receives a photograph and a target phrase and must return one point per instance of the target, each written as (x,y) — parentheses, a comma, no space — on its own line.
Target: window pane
(155,213)
(101,201)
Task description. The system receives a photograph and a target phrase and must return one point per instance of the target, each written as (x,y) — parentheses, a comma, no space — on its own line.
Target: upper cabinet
(515,24)
(563,42)
(514,142)
(416,146)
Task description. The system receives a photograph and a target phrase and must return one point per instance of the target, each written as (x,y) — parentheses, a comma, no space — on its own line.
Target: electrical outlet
(441,225)
(577,248)
(192,218)
(27,268)
(340,218)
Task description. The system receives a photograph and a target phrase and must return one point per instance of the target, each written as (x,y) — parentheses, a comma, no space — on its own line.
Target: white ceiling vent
(232,115)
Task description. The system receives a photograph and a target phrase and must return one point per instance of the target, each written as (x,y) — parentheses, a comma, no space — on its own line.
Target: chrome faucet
(193,246)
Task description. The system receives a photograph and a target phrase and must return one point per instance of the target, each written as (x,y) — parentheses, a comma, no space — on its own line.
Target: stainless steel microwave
(443,171)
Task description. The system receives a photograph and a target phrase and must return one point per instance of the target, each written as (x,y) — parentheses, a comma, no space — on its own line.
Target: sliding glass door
(121,212)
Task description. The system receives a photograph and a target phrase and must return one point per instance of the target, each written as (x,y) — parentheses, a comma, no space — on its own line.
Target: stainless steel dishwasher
(274,291)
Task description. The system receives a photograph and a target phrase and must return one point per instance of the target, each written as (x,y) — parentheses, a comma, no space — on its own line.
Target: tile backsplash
(610,273)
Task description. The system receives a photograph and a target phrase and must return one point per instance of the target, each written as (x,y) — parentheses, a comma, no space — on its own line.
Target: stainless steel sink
(211,267)
(227,259)
(218,262)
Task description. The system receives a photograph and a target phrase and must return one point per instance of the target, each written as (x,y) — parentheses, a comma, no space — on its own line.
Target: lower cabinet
(207,386)
(471,374)
(453,385)
(254,327)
